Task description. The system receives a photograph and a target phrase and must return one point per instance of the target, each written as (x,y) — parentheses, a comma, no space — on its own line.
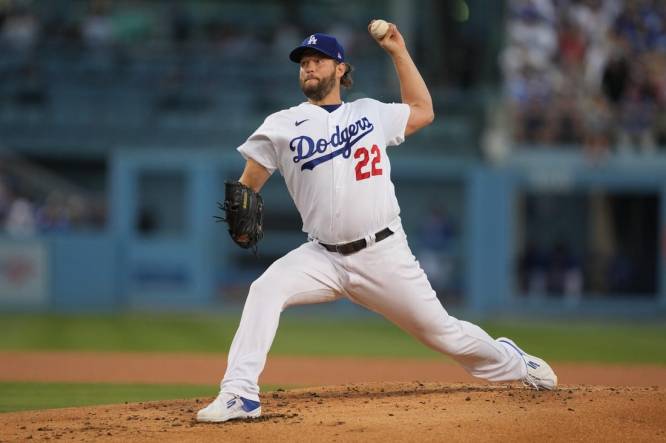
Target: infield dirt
(373,412)
(595,402)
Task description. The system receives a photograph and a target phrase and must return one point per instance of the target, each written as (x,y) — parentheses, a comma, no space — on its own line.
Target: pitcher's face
(317,76)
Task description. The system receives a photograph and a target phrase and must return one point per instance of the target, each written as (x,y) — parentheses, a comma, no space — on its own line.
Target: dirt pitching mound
(373,412)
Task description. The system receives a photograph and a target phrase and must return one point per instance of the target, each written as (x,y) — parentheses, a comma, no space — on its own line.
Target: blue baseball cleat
(229,406)
(539,374)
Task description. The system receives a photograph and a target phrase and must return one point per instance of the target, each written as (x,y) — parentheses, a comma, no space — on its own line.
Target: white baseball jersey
(337,172)
(334,164)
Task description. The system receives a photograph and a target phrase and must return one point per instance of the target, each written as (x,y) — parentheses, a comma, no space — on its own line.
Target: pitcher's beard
(320,89)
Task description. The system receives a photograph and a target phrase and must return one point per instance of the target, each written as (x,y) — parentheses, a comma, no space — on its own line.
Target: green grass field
(317,336)
(28,396)
(366,336)
(22,396)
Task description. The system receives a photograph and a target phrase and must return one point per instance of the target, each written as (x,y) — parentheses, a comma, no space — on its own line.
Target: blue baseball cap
(324,43)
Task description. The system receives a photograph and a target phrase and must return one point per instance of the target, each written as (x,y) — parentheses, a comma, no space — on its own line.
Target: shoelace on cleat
(530,381)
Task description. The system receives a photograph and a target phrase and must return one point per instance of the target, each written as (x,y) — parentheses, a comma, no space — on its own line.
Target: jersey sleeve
(394,118)
(260,148)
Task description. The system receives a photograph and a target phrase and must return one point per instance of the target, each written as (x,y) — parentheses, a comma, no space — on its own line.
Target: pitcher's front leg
(304,276)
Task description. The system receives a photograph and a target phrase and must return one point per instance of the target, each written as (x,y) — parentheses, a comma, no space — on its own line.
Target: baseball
(378,28)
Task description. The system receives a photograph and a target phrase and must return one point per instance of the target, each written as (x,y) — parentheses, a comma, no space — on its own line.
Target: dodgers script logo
(305,147)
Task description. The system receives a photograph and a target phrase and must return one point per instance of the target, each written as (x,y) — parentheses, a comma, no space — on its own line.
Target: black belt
(357,245)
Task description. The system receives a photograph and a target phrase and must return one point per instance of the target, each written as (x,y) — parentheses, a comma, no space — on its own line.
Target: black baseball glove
(243,210)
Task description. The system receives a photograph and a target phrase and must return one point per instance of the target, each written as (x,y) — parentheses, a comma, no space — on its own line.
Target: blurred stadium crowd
(171,49)
(86,77)
(80,79)
(235,29)
(28,208)
(587,72)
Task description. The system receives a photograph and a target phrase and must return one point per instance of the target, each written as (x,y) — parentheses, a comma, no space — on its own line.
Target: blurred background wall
(541,186)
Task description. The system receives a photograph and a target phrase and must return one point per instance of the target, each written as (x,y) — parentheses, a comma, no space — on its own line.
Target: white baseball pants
(385,278)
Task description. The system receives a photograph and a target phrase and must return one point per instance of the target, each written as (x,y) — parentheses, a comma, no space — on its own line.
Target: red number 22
(363,154)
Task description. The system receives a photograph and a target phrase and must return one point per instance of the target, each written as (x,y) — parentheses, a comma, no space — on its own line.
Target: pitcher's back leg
(387,279)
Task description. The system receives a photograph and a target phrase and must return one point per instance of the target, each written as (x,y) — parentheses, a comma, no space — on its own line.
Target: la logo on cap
(312,40)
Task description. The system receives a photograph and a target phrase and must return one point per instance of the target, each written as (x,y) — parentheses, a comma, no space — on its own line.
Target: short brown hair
(347,81)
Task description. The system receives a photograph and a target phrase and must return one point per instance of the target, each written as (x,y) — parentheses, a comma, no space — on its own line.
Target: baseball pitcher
(334,157)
